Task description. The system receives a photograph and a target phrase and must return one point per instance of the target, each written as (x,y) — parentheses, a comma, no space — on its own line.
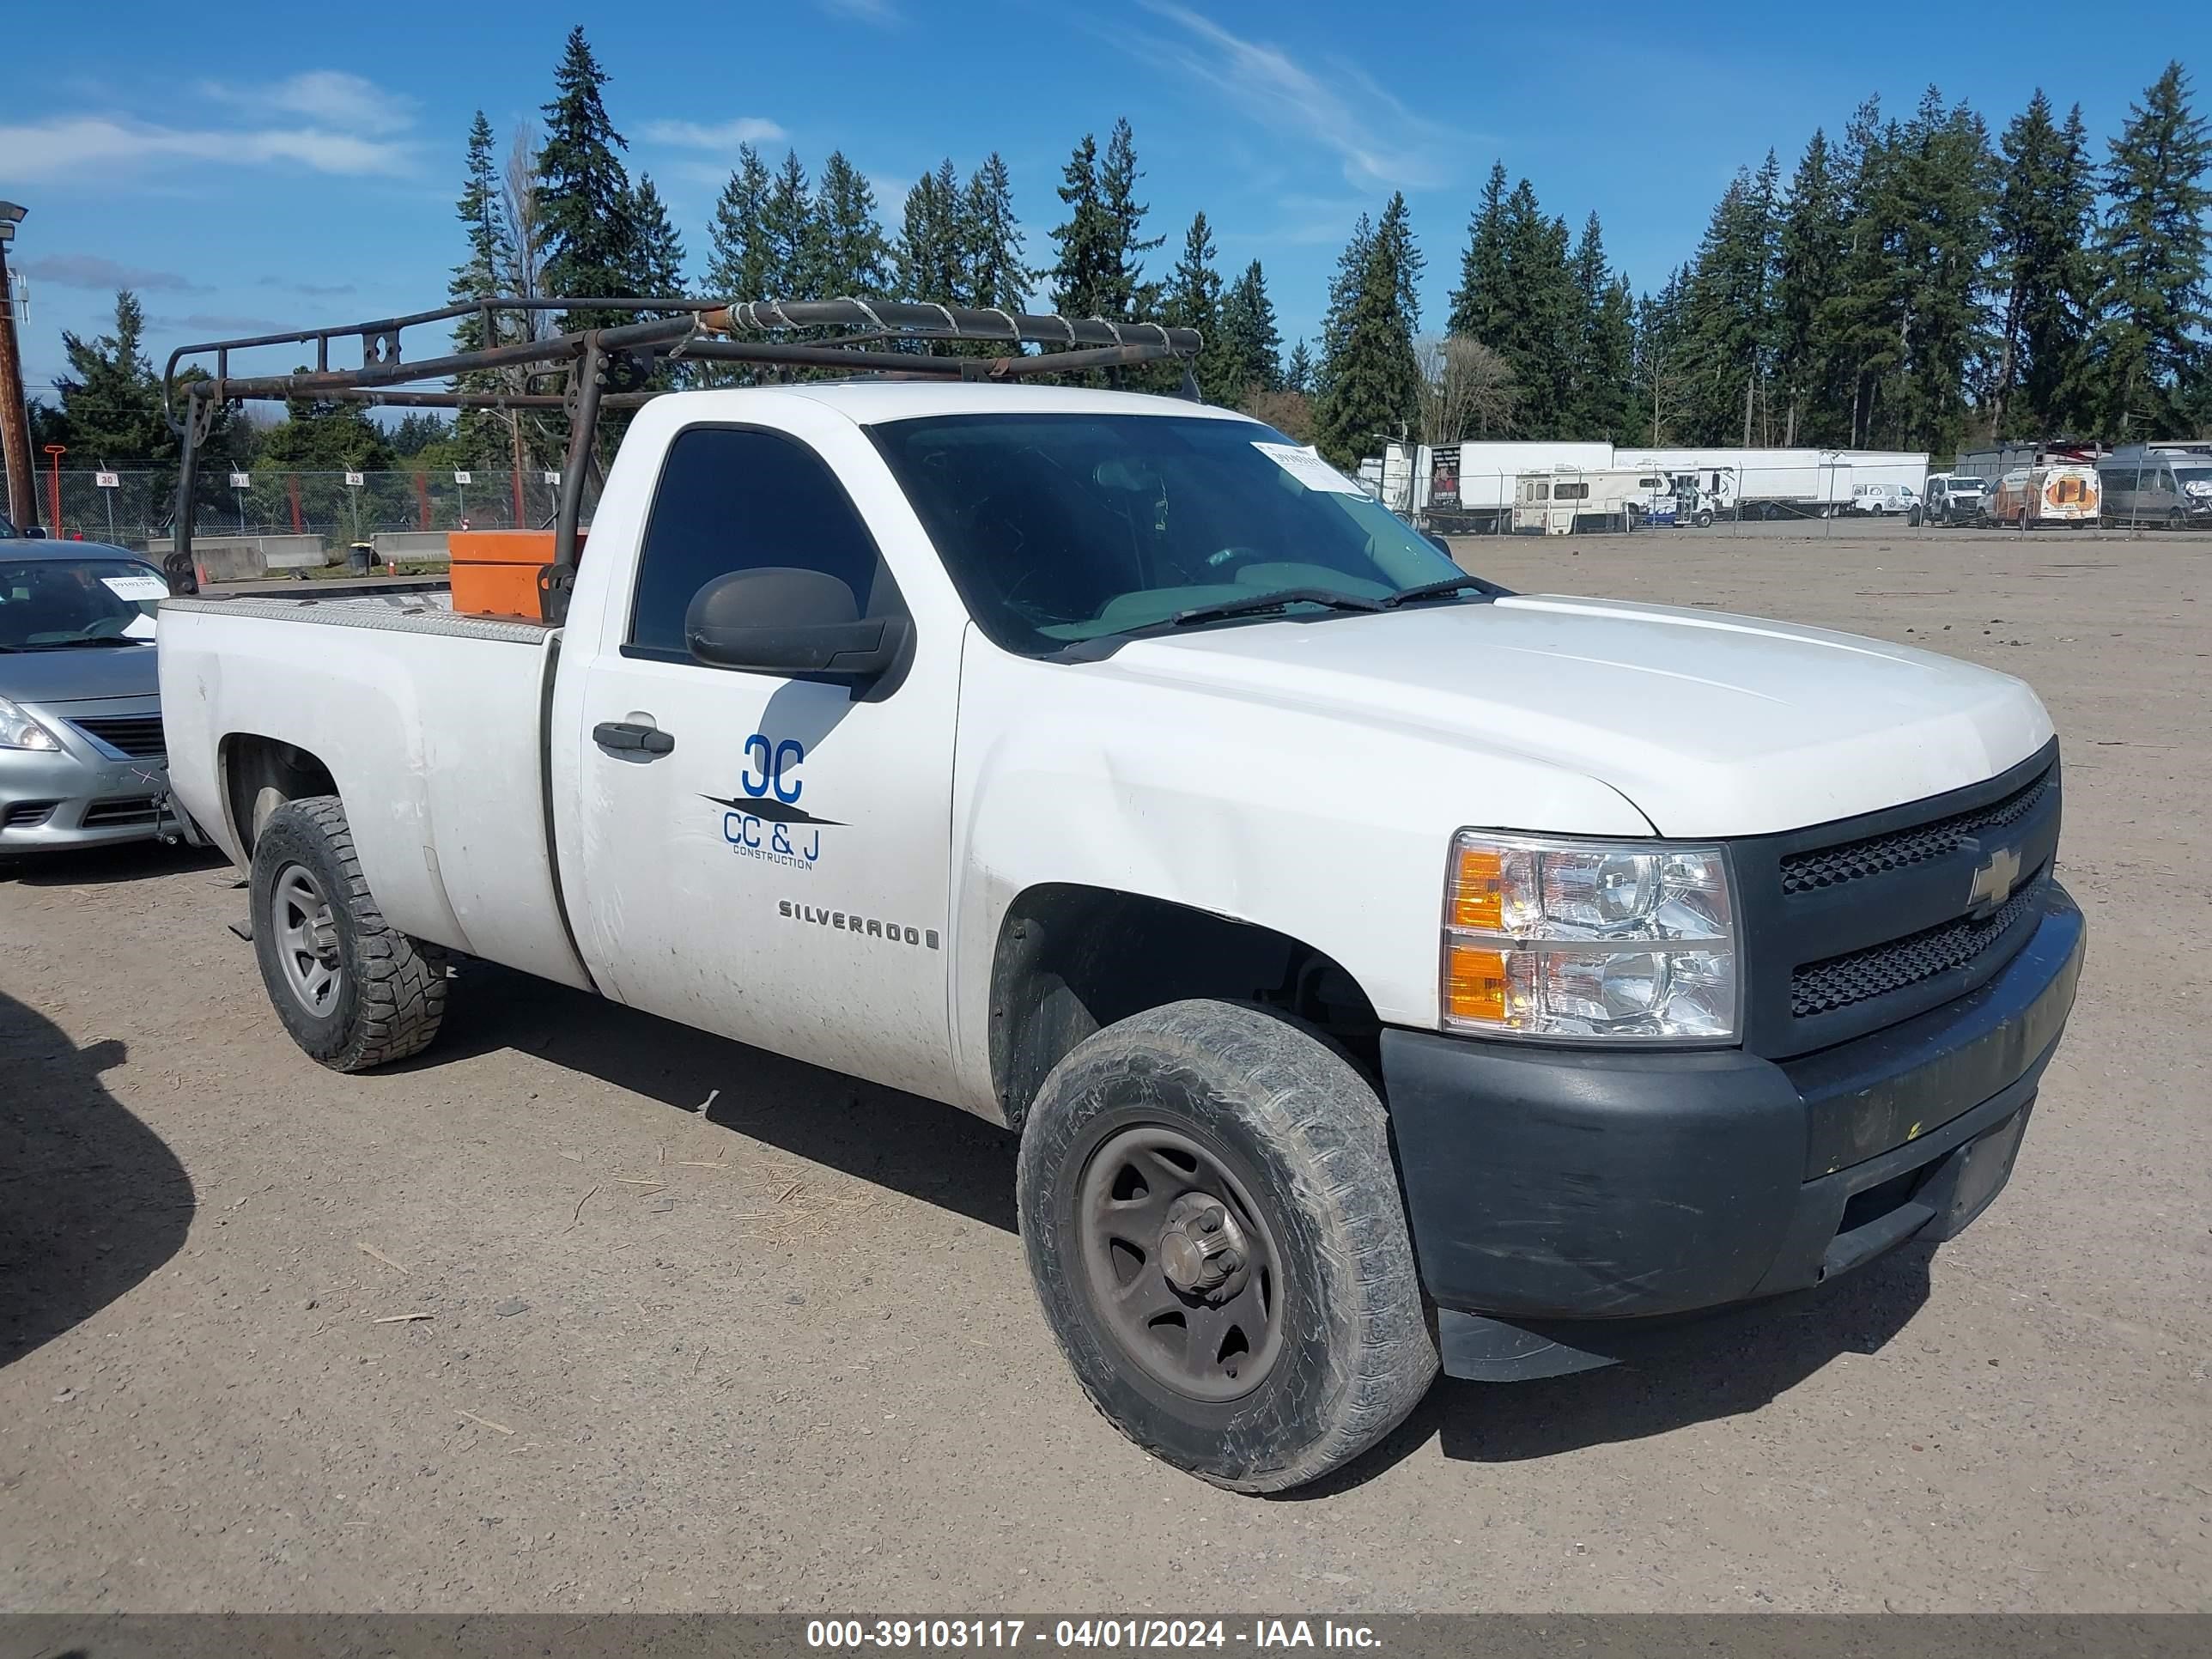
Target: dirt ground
(520,1327)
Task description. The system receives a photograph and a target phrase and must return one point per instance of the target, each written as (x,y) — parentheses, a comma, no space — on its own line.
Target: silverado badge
(1993,880)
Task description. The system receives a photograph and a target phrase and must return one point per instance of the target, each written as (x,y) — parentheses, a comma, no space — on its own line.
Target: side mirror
(784,620)
(1437,541)
(34,533)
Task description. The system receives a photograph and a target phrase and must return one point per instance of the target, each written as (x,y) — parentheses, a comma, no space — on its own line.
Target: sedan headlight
(19,731)
(1583,940)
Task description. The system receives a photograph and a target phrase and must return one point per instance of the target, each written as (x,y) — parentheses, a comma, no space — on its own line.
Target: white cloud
(693,135)
(91,271)
(70,145)
(1378,140)
(332,96)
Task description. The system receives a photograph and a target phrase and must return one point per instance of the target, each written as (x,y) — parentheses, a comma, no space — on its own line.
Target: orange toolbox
(495,571)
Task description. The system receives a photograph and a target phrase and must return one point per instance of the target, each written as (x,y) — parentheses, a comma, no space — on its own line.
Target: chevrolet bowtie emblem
(1993,879)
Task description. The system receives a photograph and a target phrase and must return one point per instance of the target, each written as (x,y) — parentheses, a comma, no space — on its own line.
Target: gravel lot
(783,1354)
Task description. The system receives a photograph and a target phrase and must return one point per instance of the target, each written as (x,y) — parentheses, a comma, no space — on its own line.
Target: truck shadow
(919,1148)
(1699,1370)
(91,1200)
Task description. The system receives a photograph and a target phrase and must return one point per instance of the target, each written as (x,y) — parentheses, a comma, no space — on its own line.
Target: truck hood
(1711,725)
(82,674)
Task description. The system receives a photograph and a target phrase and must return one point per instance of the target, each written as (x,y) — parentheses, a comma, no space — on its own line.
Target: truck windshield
(52,604)
(1062,528)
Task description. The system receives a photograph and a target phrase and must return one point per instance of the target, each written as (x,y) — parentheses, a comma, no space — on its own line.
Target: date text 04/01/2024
(950,1634)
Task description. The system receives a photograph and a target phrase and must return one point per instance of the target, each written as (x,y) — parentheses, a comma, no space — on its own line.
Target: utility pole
(14,416)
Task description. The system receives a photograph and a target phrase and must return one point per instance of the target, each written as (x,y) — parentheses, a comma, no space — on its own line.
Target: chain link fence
(130,508)
(1827,499)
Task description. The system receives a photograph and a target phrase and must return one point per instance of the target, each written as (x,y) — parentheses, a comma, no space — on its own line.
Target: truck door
(765,856)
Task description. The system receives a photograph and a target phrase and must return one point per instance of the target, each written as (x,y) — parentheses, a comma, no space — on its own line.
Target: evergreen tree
(1662,372)
(491,249)
(1394,236)
(1251,342)
(1809,249)
(111,403)
(1088,269)
(1134,298)
(1193,300)
(657,265)
(2041,275)
(855,258)
(793,234)
(2152,251)
(1373,383)
(482,434)
(742,265)
(1725,308)
(1538,312)
(1476,302)
(1299,371)
(1950,176)
(1343,298)
(931,256)
(991,239)
(584,195)
(1605,365)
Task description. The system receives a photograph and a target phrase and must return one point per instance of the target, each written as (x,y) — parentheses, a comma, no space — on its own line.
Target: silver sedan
(82,760)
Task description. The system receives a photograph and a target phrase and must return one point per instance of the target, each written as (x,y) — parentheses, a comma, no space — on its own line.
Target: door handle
(628,736)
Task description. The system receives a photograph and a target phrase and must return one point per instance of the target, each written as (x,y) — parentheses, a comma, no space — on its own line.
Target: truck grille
(136,735)
(1821,987)
(1860,924)
(1855,860)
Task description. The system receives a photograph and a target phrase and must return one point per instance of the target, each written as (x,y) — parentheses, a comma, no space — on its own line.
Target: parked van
(2029,496)
(2172,490)
(1887,498)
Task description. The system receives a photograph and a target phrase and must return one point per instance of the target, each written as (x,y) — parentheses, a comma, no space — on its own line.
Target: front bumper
(1549,1185)
(80,795)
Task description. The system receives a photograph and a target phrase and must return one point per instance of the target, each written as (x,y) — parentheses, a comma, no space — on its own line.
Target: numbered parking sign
(241,481)
(356,480)
(106,480)
(460,477)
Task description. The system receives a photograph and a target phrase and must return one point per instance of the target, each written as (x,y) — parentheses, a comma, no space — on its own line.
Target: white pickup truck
(1379,970)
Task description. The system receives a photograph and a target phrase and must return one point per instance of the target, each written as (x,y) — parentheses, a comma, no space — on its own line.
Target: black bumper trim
(1552,1184)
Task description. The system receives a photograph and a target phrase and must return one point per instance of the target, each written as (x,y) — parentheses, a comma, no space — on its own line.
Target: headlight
(1572,938)
(19,731)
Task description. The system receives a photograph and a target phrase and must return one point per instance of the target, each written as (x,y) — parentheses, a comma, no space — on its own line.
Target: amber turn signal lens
(1477,890)
(1475,982)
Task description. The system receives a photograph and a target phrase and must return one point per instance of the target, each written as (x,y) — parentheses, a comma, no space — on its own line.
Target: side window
(735,499)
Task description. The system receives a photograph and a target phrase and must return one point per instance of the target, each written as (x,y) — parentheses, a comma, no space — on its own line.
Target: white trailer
(1469,486)
(1561,500)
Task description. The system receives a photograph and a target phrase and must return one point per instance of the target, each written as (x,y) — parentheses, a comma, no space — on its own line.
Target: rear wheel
(1212,1220)
(352,991)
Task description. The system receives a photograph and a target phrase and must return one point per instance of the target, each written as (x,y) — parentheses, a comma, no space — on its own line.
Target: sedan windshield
(1063,528)
(52,604)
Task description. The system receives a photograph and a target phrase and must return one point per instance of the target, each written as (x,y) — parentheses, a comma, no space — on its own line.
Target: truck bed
(433,726)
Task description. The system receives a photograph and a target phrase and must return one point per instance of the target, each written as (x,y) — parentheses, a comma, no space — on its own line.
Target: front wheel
(352,991)
(1212,1221)
(1704,519)
(1912,518)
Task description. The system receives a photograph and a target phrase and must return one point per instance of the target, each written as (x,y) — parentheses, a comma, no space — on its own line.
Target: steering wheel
(107,628)
(1249,554)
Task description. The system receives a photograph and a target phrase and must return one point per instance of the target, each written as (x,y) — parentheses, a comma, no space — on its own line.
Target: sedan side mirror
(785,621)
(34,533)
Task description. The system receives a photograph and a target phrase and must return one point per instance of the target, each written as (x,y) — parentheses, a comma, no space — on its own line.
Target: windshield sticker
(136,588)
(140,627)
(1309,469)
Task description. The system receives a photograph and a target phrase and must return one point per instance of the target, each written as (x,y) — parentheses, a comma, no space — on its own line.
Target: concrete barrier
(242,558)
(411,547)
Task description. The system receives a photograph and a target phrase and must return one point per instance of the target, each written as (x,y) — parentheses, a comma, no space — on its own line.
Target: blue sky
(267,165)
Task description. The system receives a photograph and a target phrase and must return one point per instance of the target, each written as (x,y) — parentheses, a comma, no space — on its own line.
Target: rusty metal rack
(589,371)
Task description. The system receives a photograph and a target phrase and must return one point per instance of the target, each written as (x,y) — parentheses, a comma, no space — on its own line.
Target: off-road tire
(392,994)
(1308,1139)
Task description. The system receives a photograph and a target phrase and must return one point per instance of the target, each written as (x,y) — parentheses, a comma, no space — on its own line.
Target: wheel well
(1072,959)
(251,764)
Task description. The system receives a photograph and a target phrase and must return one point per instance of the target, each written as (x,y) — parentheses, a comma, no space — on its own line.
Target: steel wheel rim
(1215,1344)
(305,935)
